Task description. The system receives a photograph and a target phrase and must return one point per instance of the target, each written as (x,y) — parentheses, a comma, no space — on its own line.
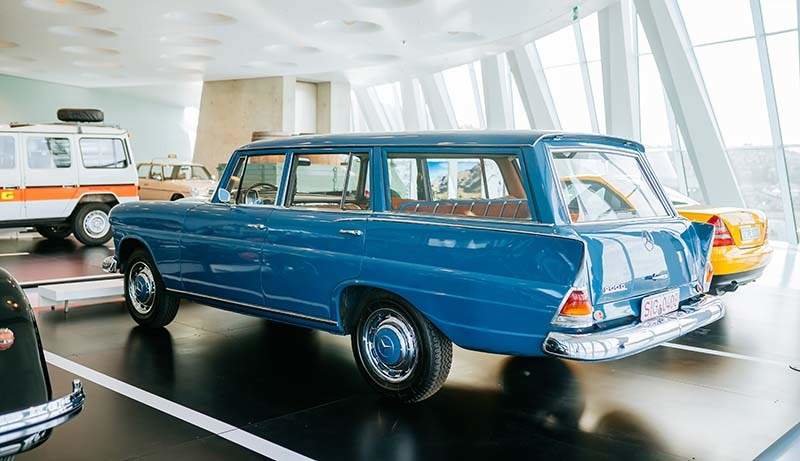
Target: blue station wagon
(506,242)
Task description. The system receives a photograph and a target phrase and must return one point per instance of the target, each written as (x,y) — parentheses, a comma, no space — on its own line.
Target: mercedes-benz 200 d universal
(412,242)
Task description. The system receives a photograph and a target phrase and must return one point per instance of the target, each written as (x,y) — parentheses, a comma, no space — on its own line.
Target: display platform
(219,385)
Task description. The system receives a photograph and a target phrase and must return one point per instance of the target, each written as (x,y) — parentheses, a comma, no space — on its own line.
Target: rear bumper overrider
(631,339)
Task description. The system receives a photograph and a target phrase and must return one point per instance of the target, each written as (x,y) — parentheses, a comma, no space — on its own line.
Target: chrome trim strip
(632,339)
(23,423)
(253,306)
(468,226)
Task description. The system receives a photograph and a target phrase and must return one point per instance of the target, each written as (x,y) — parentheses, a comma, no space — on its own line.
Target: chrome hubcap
(389,345)
(141,288)
(96,223)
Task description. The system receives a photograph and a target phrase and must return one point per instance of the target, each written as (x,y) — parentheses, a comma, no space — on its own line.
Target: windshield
(186,172)
(606,186)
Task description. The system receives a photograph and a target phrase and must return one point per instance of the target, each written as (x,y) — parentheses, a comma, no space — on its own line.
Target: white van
(64,178)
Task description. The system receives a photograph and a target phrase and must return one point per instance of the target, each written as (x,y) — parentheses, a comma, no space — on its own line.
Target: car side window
(157,173)
(469,186)
(8,153)
(103,153)
(330,181)
(261,179)
(144,171)
(48,153)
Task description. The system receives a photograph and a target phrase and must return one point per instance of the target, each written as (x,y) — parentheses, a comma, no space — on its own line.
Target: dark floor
(301,389)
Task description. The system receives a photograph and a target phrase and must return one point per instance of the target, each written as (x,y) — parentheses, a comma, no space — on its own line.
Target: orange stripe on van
(65,193)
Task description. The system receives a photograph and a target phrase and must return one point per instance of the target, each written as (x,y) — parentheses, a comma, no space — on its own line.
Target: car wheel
(92,225)
(400,352)
(145,295)
(176,197)
(56,232)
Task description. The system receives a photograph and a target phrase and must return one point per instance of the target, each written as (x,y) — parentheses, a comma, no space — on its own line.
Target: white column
(620,63)
(496,94)
(411,106)
(588,92)
(533,89)
(680,74)
(438,101)
(369,110)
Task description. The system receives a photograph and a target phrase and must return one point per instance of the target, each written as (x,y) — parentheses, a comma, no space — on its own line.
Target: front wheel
(399,351)
(92,225)
(146,298)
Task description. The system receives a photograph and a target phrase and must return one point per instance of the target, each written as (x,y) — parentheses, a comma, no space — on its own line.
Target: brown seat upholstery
(512,208)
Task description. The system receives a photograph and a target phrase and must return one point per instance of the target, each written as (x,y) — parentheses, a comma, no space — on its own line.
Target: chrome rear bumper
(20,430)
(631,339)
(110,265)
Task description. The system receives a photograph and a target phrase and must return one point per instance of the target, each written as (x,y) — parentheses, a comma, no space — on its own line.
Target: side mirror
(223,195)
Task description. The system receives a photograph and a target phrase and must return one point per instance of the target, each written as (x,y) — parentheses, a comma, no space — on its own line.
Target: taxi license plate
(659,304)
(750,233)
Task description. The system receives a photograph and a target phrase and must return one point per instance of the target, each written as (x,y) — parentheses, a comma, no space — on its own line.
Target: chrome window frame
(290,180)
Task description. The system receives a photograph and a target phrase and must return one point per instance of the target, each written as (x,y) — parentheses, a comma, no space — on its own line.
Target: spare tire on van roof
(80,115)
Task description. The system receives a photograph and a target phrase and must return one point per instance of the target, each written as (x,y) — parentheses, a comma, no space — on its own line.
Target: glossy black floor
(300,389)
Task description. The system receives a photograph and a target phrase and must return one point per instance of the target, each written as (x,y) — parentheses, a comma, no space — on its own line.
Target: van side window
(8,153)
(103,153)
(330,181)
(470,186)
(47,153)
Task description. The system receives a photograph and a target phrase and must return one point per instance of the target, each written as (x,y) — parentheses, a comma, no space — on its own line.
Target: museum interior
(298,229)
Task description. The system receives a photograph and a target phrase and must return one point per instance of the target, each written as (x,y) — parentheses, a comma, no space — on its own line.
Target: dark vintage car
(28,412)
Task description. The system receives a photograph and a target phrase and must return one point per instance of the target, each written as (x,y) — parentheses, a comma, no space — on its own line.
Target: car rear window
(606,186)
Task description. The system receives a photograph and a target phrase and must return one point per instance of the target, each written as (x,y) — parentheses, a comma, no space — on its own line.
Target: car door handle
(353,232)
(257,226)
(657,276)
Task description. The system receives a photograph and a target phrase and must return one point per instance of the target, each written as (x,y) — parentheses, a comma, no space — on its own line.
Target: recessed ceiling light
(89,50)
(348,26)
(286,64)
(376,57)
(291,49)
(200,18)
(64,6)
(385,3)
(80,31)
(97,64)
(257,64)
(187,58)
(8,58)
(5,45)
(455,36)
(189,40)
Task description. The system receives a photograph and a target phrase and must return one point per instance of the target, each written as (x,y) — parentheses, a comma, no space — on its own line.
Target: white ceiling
(124,43)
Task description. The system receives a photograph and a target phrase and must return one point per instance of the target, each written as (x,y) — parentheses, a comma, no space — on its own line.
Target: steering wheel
(251,195)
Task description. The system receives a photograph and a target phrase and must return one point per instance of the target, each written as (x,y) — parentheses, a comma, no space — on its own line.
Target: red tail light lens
(722,236)
(577,305)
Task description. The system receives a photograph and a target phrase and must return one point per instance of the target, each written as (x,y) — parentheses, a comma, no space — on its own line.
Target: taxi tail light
(576,311)
(722,236)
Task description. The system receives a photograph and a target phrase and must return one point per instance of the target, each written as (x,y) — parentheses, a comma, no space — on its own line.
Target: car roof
(62,128)
(430,138)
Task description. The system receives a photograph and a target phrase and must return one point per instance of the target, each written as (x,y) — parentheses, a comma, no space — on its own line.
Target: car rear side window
(48,153)
(606,186)
(144,171)
(8,153)
(471,186)
(103,153)
(260,180)
(330,181)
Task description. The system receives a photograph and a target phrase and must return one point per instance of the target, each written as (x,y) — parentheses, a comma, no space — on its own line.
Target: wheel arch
(350,296)
(108,198)
(127,246)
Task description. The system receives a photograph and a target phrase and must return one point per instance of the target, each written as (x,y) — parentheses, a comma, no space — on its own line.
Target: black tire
(433,350)
(82,228)
(175,197)
(55,232)
(152,309)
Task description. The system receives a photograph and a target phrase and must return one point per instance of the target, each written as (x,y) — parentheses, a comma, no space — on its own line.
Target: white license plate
(659,304)
(750,233)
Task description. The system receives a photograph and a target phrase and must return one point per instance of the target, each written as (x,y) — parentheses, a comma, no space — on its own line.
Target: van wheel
(399,351)
(91,224)
(146,297)
(175,197)
(57,232)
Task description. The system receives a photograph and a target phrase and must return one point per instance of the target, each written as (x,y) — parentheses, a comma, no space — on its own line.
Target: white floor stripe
(226,431)
(729,355)
(24,253)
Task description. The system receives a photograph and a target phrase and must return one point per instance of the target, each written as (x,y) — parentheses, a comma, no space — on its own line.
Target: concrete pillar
(438,101)
(497,95)
(333,107)
(231,110)
(620,70)
(526,67)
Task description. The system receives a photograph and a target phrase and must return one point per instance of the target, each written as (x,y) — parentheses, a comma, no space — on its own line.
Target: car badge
(6,339)
(649,243)
(598,315)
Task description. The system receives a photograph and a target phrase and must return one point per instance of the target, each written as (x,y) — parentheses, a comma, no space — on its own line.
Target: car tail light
(576,310)
(722,236)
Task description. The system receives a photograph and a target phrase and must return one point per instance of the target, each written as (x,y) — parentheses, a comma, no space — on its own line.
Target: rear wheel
(176,197)
(91,224)
(399,351)
(146,298)
(55,232)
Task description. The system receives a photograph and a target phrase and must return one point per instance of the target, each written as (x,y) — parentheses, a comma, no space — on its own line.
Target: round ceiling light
(257,64)
(83,32)
(7,58)
(455,36)
(291,49)
(200,18)
(376,58)
(97,64)
(5,45)
(188,58)
(286,64)
(89,50)
(385,3)
(189,40)
(64,6)
(348,26)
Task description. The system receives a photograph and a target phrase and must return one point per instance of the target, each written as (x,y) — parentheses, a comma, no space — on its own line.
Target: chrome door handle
(657,276)
(257,226)
(354,232)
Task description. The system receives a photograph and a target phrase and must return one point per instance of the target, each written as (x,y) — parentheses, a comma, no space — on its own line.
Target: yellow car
(741,250)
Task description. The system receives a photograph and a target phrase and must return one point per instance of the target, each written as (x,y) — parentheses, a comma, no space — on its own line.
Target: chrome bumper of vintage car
(110,265)
(628,340)
(18,428)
